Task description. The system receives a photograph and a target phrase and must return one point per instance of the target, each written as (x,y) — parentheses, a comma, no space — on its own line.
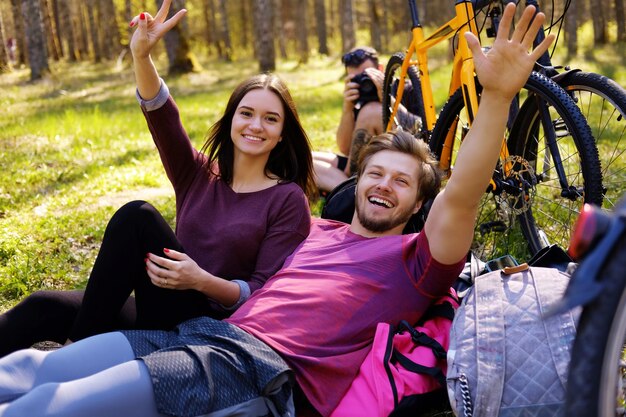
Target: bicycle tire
(498,231)
(595,385)
(603,103)
(551,214)
(392,71)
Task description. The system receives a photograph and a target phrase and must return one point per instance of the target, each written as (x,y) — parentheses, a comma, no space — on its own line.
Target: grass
(75,147)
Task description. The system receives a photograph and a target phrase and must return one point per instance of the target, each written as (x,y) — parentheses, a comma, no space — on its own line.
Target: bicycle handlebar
(479,4)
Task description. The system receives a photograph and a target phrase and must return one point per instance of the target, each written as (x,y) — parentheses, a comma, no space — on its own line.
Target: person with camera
(361,117)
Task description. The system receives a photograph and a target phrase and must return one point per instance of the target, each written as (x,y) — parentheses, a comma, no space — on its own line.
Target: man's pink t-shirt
(320,311)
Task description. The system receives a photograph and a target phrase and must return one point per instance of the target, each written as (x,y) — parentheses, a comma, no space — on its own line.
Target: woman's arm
(175,149)
(288,225)
(149,31)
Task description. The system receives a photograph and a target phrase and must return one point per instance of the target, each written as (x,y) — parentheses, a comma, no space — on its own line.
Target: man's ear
(417,207)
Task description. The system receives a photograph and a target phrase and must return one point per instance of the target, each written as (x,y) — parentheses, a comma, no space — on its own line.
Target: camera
(367,89)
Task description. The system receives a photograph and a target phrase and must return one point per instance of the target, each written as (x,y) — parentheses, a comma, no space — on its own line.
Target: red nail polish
(131,24)
(166,250)
(142,16)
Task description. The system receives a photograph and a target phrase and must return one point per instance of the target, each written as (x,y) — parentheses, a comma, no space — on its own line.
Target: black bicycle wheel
(555,198)
(412,97)
(496,233)
(603,103)
(597,374)
(498,230)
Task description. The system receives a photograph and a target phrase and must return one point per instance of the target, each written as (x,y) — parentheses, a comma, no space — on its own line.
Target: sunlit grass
(75,147)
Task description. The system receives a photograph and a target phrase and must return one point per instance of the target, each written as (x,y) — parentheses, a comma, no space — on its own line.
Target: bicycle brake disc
(515,197)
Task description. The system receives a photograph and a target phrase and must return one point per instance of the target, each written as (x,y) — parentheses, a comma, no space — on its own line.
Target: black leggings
(106,304)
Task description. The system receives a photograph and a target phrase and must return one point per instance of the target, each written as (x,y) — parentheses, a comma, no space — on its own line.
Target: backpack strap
(490,341)
(408,364)
(422,339)
(387,358)
(559,327)
(444,310)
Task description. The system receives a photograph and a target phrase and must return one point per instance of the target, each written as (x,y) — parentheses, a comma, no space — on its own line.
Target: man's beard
(382,225)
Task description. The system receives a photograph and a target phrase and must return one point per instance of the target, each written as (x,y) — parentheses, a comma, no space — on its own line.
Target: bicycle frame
(463,74)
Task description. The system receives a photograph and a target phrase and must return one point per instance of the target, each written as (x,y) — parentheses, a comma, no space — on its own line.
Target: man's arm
(346,123)
(502,72)
(344,130)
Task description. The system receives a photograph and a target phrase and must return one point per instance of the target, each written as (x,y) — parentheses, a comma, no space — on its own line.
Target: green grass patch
(75,147)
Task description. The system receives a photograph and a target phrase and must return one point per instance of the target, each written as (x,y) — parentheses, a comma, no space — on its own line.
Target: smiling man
(315,319)
(397,174)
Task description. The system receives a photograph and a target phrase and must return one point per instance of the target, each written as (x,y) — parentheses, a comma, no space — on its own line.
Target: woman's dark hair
(429,180)
(290,160)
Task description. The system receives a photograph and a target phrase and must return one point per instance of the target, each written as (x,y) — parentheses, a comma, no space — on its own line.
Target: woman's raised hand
(151,29)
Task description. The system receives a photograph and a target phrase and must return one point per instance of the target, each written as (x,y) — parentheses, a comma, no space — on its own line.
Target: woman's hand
(178,271)
(150,30)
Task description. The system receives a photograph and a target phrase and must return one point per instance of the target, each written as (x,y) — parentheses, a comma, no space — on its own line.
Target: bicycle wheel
(597,375)
(495,234)
(498,229)
(603,103)
(564,176)
(412,95)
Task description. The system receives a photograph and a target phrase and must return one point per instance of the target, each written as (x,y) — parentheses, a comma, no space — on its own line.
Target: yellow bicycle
(548,157)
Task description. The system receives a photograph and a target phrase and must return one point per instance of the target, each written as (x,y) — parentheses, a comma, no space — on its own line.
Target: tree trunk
(128,16)
(5,61)
(620,15)
(279,28)
(332,17)
(385,27)
(35,41)
(81,17)
(106,47)
(302,32)
(375,29)
(346,16)
(67,34)
(225,32)
(320,26)
(50,30)
(112,37)
(599,23)
(57,24)
(263,12)
(208,28)
(213,28)
(93,30)
(244,20)
(20,35)
(571,30)
(181,61)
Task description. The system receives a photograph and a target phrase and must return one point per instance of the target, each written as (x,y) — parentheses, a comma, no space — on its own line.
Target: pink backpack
(405,369)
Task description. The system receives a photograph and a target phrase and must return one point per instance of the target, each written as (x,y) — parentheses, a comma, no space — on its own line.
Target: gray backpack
(505,357)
